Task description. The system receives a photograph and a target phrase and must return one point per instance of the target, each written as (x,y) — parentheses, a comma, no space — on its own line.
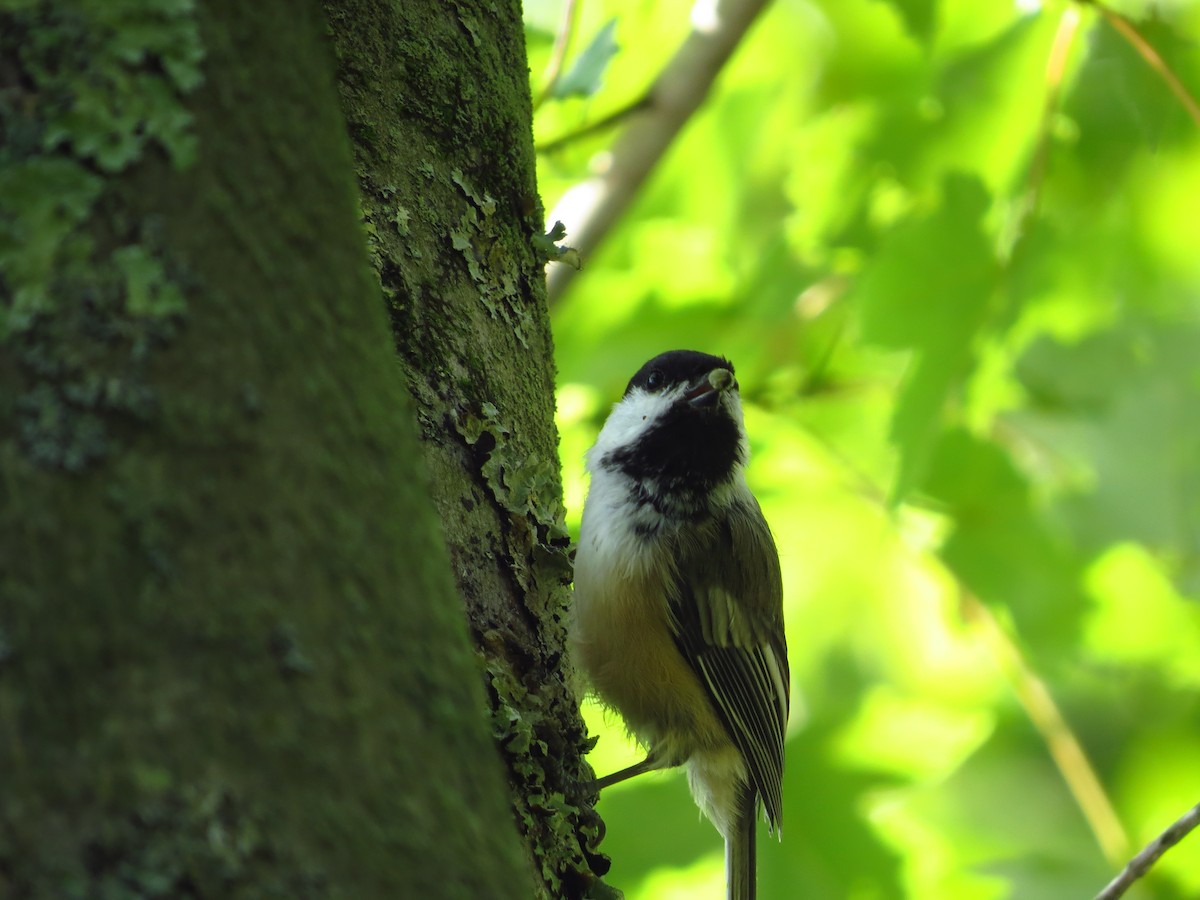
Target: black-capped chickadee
(678,611)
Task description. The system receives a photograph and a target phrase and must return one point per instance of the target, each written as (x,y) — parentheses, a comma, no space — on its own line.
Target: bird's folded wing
(726,607)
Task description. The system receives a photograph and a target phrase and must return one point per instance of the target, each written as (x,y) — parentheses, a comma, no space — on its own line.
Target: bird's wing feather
(726,607)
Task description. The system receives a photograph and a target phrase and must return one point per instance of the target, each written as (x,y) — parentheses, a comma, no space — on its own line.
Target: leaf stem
(1047,718)
(558,53)
(1056,66)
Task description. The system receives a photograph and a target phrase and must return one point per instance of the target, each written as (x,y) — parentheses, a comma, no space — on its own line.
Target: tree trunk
(436,96)
(231,660)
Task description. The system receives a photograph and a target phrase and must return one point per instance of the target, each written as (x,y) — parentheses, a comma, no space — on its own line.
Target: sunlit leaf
(997,521)
(927,291)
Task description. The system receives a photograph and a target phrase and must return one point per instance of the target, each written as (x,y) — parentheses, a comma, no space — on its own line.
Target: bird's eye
(654,380)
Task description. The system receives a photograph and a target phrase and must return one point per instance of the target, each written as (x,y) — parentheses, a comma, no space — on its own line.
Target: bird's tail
(740,856)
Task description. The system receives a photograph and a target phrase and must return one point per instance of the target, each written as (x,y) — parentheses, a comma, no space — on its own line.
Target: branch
(591,208)
(1140,864)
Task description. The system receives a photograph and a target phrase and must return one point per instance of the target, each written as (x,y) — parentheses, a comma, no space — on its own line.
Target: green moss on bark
(90,89)
(232,620)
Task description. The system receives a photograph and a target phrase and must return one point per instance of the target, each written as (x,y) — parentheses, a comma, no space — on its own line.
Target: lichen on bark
(436,97)
(87,91)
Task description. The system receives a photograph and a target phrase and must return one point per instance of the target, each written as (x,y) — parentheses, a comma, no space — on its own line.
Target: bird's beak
(708,389)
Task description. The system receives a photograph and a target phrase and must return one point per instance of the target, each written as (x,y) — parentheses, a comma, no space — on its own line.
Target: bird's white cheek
(626,423)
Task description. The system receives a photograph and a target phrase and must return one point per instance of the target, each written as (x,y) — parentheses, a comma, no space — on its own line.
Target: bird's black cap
(675,367)
(692,446)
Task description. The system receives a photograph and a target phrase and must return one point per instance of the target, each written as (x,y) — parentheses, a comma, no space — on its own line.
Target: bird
(677,616)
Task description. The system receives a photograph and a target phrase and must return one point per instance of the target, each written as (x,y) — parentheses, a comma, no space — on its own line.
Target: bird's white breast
(620,627)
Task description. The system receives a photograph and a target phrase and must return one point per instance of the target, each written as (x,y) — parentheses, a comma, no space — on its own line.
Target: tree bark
(436,96)
(232,662)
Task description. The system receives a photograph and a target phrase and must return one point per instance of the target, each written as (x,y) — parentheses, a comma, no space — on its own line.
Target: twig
(1129,31)
(602,124)
(558,53)
(1062,743)
(1056,65)
(591,208)
(1140,864)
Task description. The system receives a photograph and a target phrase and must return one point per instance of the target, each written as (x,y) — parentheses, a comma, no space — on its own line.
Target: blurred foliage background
(953,248)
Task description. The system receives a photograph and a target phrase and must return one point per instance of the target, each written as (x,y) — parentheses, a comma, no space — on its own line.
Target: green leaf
(920,17)
(586,74)
(1000,546)
(1121,405)
(928,291)
(1121,106)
